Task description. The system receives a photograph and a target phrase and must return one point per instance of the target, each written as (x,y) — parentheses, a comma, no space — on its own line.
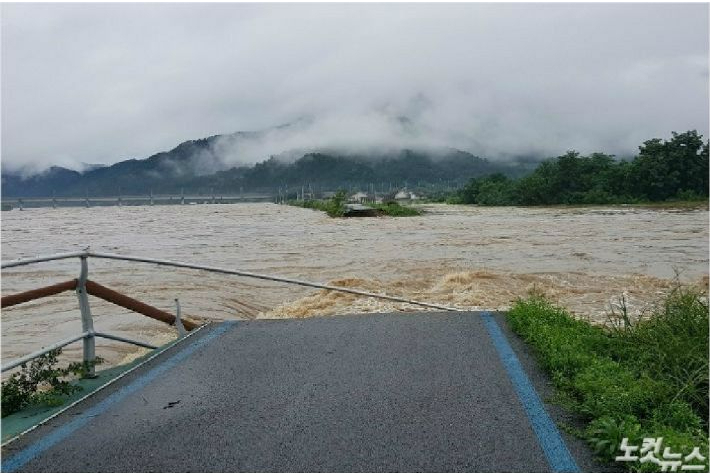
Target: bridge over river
(426,391)
(10,203)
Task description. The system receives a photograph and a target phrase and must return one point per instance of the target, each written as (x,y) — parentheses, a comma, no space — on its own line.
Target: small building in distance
(362,198)
(404,196)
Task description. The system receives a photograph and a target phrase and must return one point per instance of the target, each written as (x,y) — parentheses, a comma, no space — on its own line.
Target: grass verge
(635,378)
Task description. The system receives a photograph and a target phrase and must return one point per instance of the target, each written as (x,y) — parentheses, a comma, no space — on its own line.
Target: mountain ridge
(201,165)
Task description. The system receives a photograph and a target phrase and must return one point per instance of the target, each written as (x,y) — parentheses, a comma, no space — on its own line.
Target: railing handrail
(83,285)
(41,259)
(88,334)
(216,269)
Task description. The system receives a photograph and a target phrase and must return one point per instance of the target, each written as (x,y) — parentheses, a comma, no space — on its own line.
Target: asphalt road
(386,392)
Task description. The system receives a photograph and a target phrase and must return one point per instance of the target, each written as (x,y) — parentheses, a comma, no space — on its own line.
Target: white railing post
(87,323)
(178,321)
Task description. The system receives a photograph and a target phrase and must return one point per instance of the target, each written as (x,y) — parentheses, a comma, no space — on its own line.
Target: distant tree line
(334,171)
(663,170)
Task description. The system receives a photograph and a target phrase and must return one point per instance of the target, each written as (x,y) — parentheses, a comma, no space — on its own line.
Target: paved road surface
(385,392)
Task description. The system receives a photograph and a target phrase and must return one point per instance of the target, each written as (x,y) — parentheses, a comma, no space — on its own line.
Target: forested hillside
(194,167)
(663,169)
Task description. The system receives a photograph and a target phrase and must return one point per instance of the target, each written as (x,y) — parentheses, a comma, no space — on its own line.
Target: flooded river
(468,257)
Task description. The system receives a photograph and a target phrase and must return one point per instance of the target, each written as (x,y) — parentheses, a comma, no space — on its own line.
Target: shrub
(334,207)
(41,382)
(394,209)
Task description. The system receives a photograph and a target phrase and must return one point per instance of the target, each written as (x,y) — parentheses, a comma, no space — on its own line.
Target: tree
(664,169)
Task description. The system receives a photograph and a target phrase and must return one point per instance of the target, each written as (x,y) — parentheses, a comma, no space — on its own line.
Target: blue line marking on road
(549,438)
(31,452)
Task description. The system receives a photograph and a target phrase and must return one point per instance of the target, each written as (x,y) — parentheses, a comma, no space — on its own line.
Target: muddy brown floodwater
(463,256)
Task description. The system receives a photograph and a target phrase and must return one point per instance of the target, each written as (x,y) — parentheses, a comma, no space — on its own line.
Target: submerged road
(381,392)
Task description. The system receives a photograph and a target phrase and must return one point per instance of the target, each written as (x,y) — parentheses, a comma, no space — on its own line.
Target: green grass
(634,378)
(332,208)
(396,210)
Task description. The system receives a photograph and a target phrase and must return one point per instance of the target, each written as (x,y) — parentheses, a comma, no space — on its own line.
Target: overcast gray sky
(99,83)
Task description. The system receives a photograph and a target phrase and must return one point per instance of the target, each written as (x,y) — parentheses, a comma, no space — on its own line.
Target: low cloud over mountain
(101,83)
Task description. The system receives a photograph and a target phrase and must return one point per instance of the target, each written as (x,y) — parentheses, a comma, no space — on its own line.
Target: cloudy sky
(99,83)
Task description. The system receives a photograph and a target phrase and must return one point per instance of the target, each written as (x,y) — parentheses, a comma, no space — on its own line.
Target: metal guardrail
(89,334)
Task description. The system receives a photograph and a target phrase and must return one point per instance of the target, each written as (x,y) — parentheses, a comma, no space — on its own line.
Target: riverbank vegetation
(393,209)
(336,207)
(634,378)
(41,382)
(672,170)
